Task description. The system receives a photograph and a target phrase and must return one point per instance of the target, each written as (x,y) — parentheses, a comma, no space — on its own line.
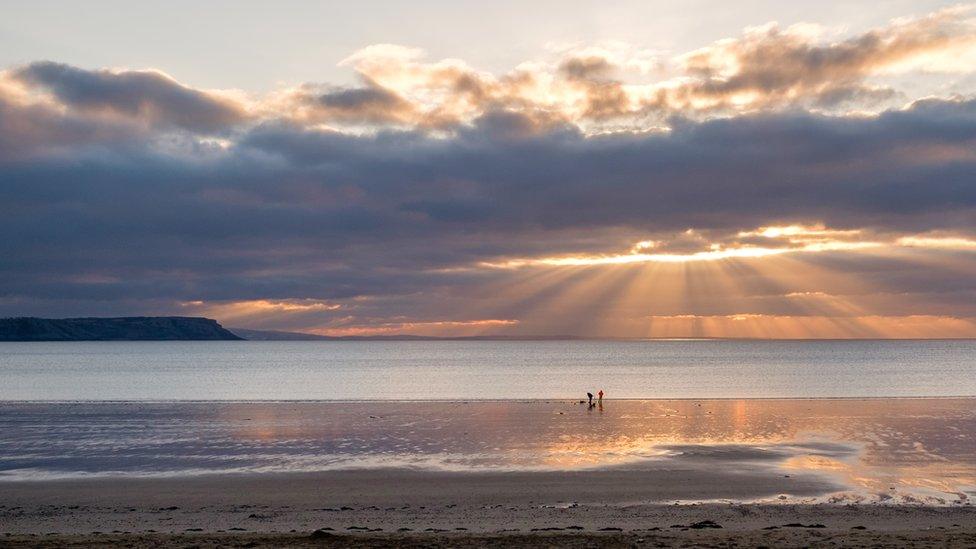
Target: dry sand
(791,537)
(376,508)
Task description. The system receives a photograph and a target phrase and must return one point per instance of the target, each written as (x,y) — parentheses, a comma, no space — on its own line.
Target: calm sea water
(305,370)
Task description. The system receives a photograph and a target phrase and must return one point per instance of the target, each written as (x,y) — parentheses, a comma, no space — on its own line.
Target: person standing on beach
(590,396)
(599,396)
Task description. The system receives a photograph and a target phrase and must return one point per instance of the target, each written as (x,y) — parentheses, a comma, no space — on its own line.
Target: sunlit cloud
(796,239)
(788,239)
(613,86)
(258,311)
(351,326)
(712,255)
(801,232)
(597,88)
(945,242)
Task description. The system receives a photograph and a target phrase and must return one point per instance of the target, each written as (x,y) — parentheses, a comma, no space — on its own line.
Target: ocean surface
(483,370)
(829,412)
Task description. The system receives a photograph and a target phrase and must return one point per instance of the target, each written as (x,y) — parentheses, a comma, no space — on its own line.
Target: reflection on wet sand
(901,450)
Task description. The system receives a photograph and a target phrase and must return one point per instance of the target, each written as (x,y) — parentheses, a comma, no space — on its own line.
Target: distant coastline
(138,328)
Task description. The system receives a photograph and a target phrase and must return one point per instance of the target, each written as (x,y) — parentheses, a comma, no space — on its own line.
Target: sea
(483,370)
(875,421)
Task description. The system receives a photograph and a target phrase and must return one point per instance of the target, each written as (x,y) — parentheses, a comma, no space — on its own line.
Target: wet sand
(857,450)
(776,473)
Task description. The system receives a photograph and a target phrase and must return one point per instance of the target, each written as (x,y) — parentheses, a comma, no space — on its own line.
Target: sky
(631,169)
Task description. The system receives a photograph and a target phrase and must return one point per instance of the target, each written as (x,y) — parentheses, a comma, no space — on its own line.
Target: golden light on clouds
(747,292)
(709,255)
(947,242)
(789,239)
(615,86)
(258,309)
(801,231)
(434,328)
(755,283)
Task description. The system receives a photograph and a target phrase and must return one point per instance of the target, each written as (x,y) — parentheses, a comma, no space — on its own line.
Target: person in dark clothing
(590,396)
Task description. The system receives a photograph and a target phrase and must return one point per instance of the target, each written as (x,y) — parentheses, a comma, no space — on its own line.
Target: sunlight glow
(937,242)
(237,313)
(785,239)
(800,231)
(434,328)
(710,255)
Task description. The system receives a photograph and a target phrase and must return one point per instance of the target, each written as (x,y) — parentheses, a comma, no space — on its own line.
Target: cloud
(150,96)
(262,312)
(388,205)
(598,88)
(441,328)
(613,86)
(28,130)
(291,213)
(365,106)
(587,67)
(773,66)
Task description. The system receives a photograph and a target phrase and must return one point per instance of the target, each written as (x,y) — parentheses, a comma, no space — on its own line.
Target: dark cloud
(148,96)
(355,98)
(591,67)
(30,130)
(605,96)
(394,224)
(367,105)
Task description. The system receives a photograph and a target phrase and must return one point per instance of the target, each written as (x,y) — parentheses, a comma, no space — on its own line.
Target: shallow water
(899,450)
(396,370)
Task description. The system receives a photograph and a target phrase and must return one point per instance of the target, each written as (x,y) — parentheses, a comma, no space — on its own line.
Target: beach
(396,507)
(774,472)
(384,507)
